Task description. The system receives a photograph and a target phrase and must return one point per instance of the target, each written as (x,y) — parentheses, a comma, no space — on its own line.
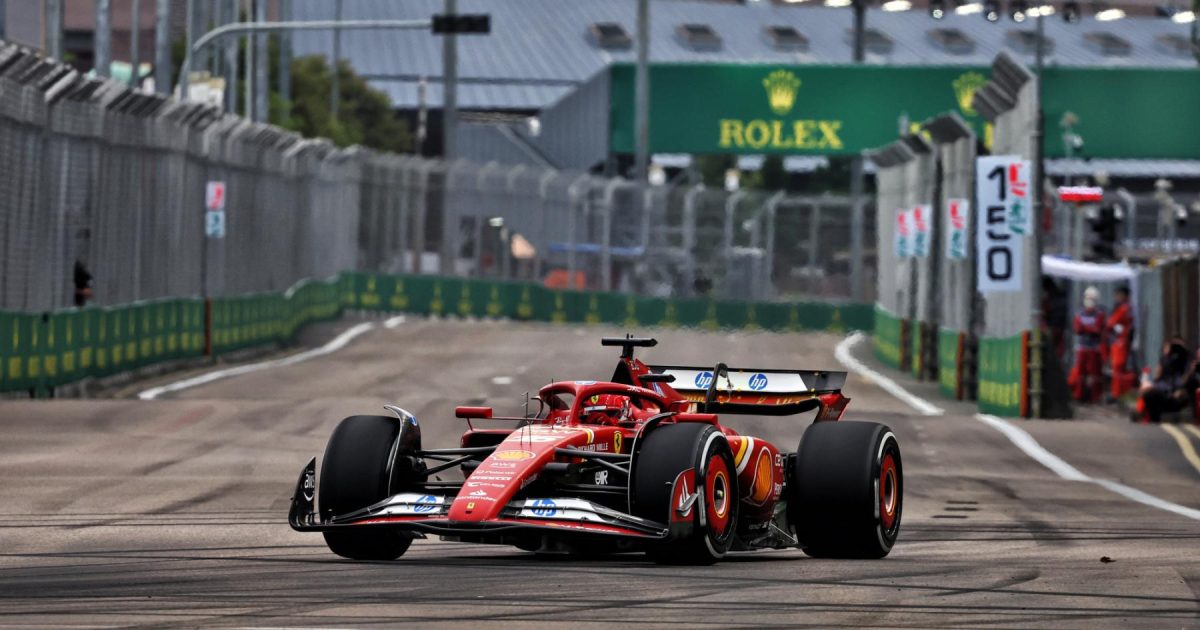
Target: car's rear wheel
(354,475)
(666,452)
(847,490)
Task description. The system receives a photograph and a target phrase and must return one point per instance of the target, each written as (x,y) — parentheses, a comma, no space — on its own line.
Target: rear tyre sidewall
(667,451)
(354,475)
(847,490)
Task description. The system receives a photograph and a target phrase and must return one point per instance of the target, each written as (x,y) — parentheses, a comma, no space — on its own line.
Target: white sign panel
(214,196)
(999,251)
(903,231)
(214,224)
(956,228)
(921,230)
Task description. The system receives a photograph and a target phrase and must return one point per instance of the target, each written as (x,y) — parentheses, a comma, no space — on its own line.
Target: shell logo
(512,456)
(763,478)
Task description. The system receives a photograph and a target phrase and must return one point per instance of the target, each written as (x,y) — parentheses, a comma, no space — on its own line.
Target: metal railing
(115,179)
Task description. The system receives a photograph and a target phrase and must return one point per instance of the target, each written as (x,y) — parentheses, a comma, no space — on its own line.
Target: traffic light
(1104,225)
(462,24)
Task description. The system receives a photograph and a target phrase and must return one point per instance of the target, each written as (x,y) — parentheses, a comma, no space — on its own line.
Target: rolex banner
(999,247)
(956,228)
(815,109)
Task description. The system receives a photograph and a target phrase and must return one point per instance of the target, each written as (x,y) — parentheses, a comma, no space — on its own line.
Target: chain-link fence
(114,181)
(95,175)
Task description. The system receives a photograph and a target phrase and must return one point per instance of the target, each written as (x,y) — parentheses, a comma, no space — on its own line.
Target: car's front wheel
(354,475)
(709,504)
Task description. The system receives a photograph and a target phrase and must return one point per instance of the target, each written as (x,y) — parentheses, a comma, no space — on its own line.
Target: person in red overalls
(1119,330)
(1086,375)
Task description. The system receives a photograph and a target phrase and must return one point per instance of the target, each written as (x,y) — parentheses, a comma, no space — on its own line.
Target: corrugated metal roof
(1148,169)
(538,49)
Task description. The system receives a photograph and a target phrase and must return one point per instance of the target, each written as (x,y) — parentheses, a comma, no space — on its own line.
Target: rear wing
(753,391)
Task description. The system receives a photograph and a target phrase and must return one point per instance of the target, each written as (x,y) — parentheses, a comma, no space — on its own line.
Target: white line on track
(1018,436)
(846,358)
(393,322)
(1030,446)
(337,343)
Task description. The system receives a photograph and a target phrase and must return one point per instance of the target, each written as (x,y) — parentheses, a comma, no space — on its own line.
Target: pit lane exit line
(337,343)
(1185,445)
(844,356)
(1018,436)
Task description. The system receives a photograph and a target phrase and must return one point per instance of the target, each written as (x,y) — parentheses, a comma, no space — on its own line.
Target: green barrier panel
(948,362)
(887,337)
(1000,375)
(85,326)
(7,353)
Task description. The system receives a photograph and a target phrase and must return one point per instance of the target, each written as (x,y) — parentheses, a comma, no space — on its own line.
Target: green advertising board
(842,110)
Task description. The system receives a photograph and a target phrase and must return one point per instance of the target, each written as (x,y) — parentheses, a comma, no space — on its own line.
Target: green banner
(1001,372)
(949,376)
(887,337)
(842,110)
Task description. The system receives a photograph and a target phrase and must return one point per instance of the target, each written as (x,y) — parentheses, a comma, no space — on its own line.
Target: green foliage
(712,168)
(365,115)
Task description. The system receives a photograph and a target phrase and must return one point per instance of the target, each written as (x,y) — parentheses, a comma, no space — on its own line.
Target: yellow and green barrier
(45,350)
(950,362)
(887,337)
(433,295)
(1002,376)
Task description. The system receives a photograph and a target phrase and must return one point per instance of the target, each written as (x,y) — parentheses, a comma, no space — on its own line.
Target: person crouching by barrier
(1173,386)
(1119,331)
(1087,374)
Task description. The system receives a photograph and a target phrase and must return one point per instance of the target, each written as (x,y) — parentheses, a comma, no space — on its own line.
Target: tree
(365,115)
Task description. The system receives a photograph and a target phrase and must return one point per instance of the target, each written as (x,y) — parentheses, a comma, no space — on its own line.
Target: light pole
(641,114)
(857,212)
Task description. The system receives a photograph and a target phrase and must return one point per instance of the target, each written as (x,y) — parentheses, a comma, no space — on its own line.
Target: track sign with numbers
(999,250)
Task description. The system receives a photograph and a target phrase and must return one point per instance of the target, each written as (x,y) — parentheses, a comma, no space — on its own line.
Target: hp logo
(545,507)
(427,503)
(758,382)
(704,379)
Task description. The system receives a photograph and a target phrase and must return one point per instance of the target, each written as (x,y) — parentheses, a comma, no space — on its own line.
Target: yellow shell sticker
(513,456)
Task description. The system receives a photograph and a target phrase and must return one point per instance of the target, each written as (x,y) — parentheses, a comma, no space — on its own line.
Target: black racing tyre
(354,475)
(847,490)
(668,450)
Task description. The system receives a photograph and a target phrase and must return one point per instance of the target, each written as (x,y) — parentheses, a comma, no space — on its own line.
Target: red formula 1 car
(640,462)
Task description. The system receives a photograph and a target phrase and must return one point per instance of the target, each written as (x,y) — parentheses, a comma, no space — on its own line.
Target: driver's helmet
(605,409)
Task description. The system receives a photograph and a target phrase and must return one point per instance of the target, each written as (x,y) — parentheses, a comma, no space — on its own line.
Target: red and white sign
(956,232)
(1020,206)
(921,230)
(903,223)
(1081,194)
(214,196)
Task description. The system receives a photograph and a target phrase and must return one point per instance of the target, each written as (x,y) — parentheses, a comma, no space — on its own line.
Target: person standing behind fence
(1086,375)
(1119,330)
(83,284)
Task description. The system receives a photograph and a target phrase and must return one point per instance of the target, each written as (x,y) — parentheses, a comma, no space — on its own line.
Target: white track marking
(334,345)
(1025,442)
(1018,436)
(393,322)
(502,380)
(1021,438)
(846,358)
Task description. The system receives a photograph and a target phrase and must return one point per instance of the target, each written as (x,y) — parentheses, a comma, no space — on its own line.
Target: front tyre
(709,526)
(847,490)
(354,475)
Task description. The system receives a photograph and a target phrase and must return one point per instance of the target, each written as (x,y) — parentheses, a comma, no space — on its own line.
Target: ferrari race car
(638,463)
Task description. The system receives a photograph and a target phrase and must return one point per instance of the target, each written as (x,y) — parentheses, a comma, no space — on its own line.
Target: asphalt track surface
(171,512)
